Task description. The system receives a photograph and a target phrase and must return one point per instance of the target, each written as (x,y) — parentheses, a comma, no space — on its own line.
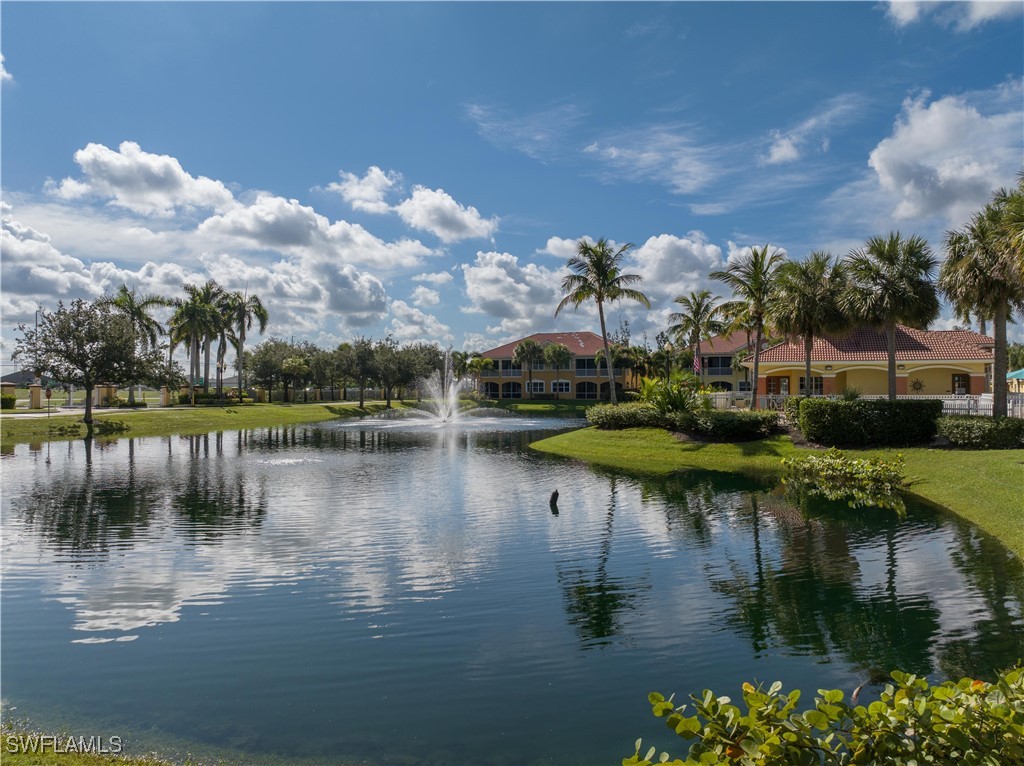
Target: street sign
(49,392)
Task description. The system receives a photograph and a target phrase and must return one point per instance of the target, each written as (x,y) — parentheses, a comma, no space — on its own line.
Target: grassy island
(984,486)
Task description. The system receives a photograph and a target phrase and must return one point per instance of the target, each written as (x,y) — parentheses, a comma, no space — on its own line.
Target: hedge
(982,431)
(735,426)
(212,400)
(628,415)
(791,408)
(7,401)
(865,423)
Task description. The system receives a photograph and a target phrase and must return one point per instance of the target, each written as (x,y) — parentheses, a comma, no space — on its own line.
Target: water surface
(401,593)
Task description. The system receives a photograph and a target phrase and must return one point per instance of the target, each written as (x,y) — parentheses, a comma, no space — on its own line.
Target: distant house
(584,378)
(1015,382)
(928,363)
(21,378)
(719,358)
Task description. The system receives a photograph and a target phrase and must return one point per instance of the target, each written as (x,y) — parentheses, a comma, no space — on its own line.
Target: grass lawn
(984,486)
(550,408)
(15,429)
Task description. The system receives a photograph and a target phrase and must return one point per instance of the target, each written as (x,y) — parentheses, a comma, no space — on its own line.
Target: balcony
(516,373)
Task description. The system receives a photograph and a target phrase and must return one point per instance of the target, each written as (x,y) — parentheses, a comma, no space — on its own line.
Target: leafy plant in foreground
(967,722)
(834,476)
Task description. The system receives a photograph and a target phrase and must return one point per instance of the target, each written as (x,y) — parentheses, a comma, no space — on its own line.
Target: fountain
(443,389)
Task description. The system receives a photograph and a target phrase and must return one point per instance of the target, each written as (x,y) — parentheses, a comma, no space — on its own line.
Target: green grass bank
(19,429)
(983,486)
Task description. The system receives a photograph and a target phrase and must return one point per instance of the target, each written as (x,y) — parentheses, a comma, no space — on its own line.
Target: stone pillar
(165,397)
(35,396)
(7,388)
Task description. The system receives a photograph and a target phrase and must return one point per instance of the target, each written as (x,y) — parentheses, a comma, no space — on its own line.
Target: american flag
(696,363)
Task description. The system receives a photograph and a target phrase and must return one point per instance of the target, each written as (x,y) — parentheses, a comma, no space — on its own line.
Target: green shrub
(212,400)
(834,476)
(735,425)
(7,401)
(123,404)
(680,394)
(791,409)
(962,722)
(628,415)
(863,422)
(982,431)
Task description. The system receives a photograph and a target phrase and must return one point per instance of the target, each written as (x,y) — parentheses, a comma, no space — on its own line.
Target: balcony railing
(590,372)
(511,373)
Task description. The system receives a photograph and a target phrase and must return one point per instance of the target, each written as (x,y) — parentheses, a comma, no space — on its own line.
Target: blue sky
(425,169)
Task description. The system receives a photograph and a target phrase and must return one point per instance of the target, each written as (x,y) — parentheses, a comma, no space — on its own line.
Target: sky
(424,170)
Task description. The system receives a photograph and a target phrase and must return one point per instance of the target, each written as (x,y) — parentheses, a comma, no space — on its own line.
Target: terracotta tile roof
(868,345)
(580,343)
(725,344)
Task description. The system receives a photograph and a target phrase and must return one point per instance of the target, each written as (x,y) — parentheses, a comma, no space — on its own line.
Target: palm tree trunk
(697,361)
(757,366)
(241,362)
(808,345)
(206,367)
(607,356)
(1000,363)
(890,343)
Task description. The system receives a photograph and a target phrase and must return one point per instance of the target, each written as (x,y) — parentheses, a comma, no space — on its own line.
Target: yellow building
(928,363)
(583,379)
(718,368)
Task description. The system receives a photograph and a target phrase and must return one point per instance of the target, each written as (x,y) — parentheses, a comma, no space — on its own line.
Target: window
(560,387)
(817,386)
(537,387)
(511,391)
(586,390)
(961,383)
(538,365)
(717,365)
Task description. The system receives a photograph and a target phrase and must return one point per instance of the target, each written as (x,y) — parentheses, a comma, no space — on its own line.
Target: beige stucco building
(928,362)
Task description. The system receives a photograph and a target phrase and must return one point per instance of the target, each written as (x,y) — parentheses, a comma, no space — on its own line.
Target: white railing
(952,404)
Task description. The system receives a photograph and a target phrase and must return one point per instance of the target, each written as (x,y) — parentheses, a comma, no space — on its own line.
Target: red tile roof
(580,343)
(869,345)
(725,344)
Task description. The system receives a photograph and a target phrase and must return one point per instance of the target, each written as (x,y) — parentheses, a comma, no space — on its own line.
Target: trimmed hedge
(868,423)
(982,431)
(212,400)
(7,401)
(791,408)
(628,415)
(735,425)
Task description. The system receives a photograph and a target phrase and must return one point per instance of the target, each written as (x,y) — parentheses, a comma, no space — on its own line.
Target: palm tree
(558,357)
(979,275)
(752,280)
(596,275)
(209,296)
(699,320)
(195,321)
(244,310)
(526,354)
(890,282)
(146,329)
(807,301)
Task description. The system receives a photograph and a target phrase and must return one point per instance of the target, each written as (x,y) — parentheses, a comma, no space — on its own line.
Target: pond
(393,592)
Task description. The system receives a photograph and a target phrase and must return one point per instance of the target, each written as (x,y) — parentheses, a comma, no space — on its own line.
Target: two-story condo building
(583,379)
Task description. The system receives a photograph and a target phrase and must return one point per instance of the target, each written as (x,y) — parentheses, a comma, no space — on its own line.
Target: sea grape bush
(982,431)
(834,476)
(967,723)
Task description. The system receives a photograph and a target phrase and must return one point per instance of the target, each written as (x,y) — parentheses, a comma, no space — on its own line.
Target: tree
(362,365)
(596,275)
(293,368)
(387,366)
(344,366)
(557,356)
(980,276)
(194,322)
(526,354)
(208,299)
(145,329)
(83,344)
(752,280)
(890,282)
(477,364)
(699,320)
(243,311)
(266,359)
(808,300)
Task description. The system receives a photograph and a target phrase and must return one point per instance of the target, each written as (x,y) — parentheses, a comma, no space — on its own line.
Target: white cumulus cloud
(424,296)
(368,192)
(435,211)
(945,157)
(144,183)
(5,76)
(962,15)
(409,324)
(517,299)
(437,279)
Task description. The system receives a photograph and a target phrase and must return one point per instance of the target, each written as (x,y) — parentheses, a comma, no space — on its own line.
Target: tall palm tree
(526,354)
(891,282)
(700,319)
(243,311)
(980,276)
(135,308)
(209,296)
(1012,226)
(596,275)
(807,301)
(752,280)
(195,320)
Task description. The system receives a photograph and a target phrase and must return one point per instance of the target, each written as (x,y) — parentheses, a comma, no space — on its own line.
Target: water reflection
(348,566)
